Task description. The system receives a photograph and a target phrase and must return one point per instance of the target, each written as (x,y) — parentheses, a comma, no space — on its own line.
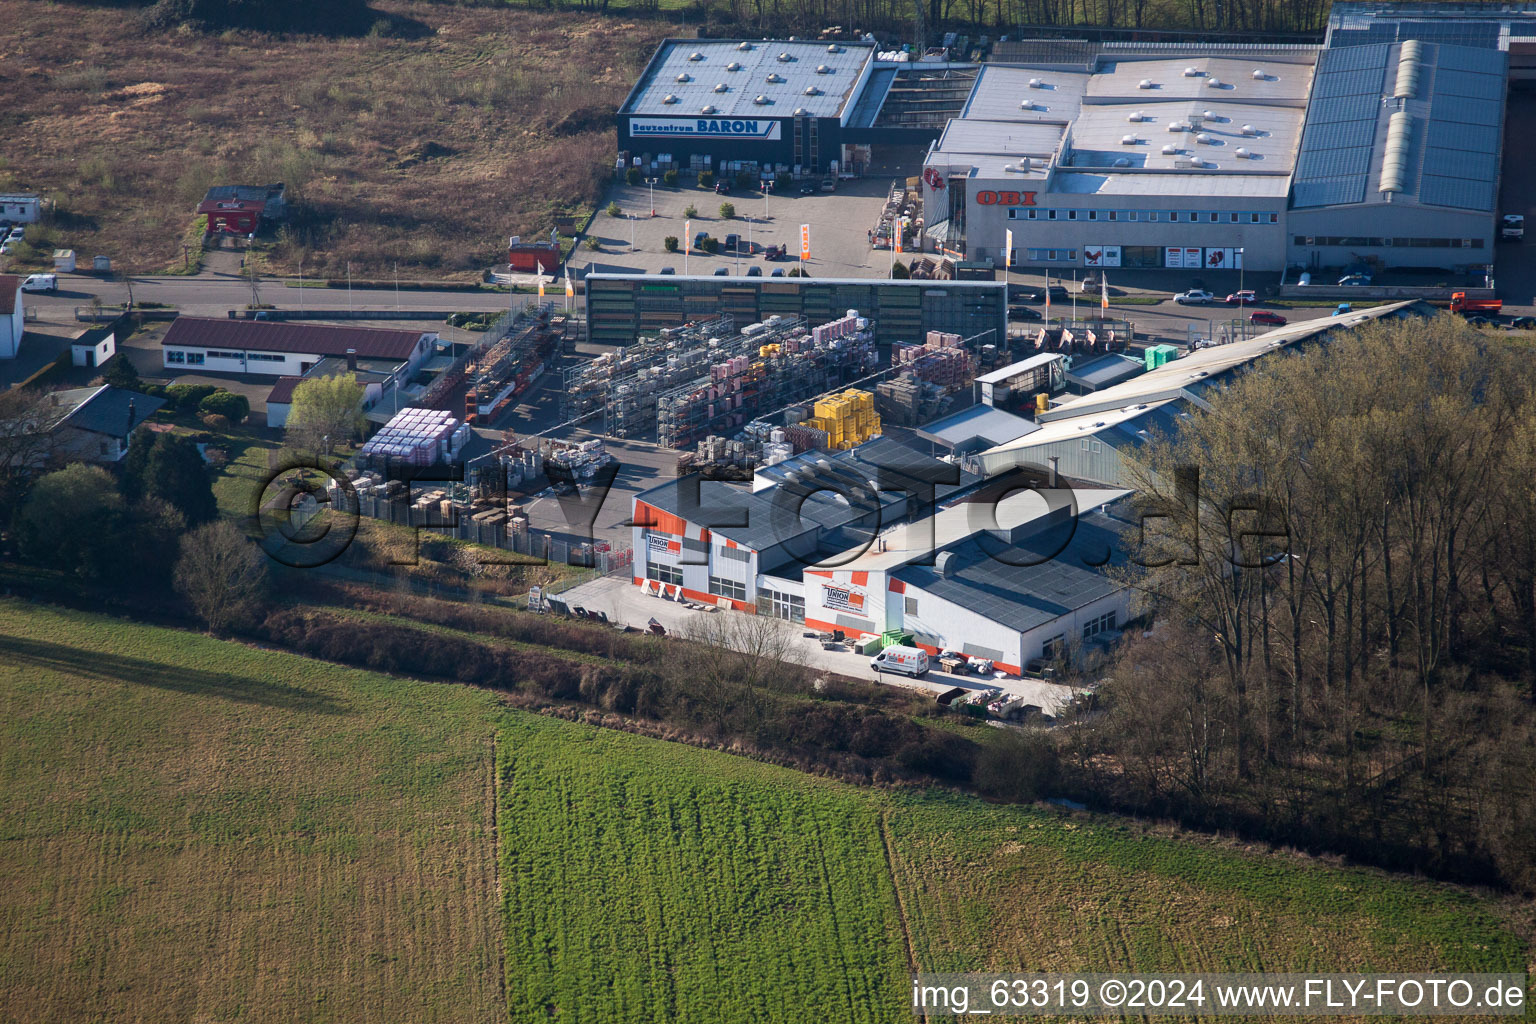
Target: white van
(910,661)
(41,283)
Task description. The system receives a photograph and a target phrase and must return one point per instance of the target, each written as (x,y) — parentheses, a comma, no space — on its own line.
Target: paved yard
(622,601)
(840,224)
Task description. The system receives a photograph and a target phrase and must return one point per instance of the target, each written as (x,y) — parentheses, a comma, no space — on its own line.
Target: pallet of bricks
(848,417)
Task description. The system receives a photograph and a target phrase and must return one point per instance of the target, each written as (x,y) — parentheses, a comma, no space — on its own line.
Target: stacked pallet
(848,417)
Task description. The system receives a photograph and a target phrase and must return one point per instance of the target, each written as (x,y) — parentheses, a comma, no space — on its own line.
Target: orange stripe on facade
(861,579)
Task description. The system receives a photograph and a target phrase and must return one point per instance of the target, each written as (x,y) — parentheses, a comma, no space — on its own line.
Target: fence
(602,556)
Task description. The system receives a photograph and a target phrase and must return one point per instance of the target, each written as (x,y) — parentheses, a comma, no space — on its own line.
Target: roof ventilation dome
(823,69)
(1213,83)
(669,98)
(1259,75)
(1129,140)
(707,109)
(1191,73)
(1242,154)
(761,101)
(1145,83)
(695,55)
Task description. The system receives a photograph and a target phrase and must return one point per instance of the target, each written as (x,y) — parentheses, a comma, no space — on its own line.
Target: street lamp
(1240,296)
(652,182)
(632,232)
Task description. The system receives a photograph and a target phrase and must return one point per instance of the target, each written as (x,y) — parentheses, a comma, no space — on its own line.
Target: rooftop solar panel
(1328,162)
(1462,193)
(1341,135)
(1331,191)
(1466,83)
(1470,138)
(1468,58)
(1344,108)
(1359,52)
(1466,110)
(1349,83)
(1456,163)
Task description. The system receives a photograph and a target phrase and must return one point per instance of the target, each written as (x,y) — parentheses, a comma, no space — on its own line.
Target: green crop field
(199,830)
(648,881)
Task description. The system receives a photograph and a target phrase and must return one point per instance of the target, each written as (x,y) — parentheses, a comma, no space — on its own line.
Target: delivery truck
(1483,307)
(907,661)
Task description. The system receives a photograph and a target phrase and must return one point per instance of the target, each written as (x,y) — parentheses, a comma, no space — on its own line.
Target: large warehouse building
(621,307)
(1383,145)
(715,103)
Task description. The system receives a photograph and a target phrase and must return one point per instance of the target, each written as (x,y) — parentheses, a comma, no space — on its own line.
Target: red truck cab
(1461,304)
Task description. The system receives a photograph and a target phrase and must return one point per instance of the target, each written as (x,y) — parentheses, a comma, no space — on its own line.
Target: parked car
(777,272)
(754,271)
(1024,313)
(1194,297)
(732,243)
(698,239)
(1523,323)
(829,184)
(5,248)
(775,252)
(808,189)
(1088,284)
(1058,292)
(41,283)
(722,272)
(17,234)
(1354,280)
(1479,321)
(722,188)
(1246,297)
(1343,308)
(669,270)
(1264,316)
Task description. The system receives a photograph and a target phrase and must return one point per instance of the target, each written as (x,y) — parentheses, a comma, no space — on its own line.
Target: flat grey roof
(992,426)
(1051,573)
(690,71)
(1111,369)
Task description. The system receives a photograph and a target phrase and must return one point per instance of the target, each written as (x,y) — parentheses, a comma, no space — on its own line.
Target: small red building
(240,209)
(526,256)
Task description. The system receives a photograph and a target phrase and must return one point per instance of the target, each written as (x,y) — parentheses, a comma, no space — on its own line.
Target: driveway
(622,601)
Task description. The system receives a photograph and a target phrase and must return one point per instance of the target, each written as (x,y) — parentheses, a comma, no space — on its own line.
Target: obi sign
(987,197)
(705,128)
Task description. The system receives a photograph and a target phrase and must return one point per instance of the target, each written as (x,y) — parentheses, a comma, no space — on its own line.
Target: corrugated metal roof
(286,336)
(10,286)
(1000,91)
(282,391)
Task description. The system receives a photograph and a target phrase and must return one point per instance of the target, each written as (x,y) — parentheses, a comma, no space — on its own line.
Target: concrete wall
(11,328)
(1385,220)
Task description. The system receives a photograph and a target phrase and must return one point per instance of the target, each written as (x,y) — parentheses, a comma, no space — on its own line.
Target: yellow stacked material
(848,417)
(768,350)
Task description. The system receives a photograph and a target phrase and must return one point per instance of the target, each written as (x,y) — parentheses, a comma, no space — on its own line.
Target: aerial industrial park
(1072,429)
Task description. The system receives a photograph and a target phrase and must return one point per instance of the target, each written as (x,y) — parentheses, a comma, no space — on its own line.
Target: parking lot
(840,223)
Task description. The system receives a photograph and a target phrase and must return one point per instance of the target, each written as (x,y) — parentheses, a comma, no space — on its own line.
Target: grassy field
(426,149)
(197,830)
(664,883)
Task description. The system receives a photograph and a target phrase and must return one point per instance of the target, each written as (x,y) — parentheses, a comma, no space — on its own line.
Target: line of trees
(1344,598)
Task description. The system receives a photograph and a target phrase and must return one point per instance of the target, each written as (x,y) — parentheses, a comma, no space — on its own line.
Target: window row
(1149,216)
(1052,255)
(1397,243)
(176,355)
(721,587)
(735,554)
(782,606)
(663,573)
(1103,624)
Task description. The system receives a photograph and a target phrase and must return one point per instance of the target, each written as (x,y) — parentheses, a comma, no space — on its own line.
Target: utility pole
(349,286)
(652,182)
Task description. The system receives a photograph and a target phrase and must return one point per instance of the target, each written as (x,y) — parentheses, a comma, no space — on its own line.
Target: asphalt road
(216,294)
